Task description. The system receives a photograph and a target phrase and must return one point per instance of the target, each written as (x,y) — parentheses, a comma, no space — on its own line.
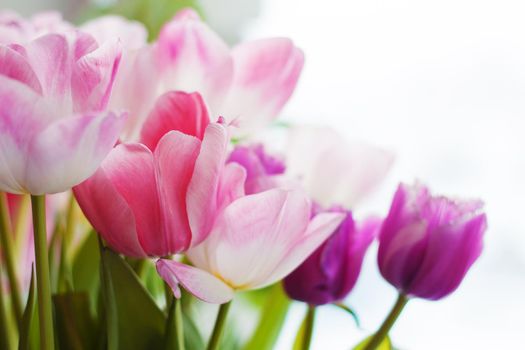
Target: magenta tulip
(263,171)
(161,196)
(331,272)
(427,244)
(255,241)
(54,129)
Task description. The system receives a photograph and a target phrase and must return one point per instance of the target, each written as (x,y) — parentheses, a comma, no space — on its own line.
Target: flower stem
(219,326)
(6,241)
(179,326)
(5,340)
(308,327)
(45,311)
(382,332)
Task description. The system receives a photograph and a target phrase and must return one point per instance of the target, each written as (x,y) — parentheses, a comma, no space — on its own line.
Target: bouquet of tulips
(138,193)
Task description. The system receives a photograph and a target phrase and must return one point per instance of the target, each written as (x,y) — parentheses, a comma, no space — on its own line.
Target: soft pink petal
(199,283)
(108,212)
(265,75)
(252,236)
(192,57)
(135,89)
(333,170)
(202,201)
(23,114)
(231,185)
(175,110)
(14,65)
(175,160)
(132,34)
(319,229)
(70,150)
(51,57)
(93,76)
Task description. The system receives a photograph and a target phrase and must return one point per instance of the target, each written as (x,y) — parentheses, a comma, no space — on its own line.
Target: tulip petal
(135,89)
(175,110)
(109,213)
(93,76)
(265,75)
(132,34)
(69,150)
(192,57)
(199,283)
(448,257)
(319,229)
(175,157)
(334,171)
(252,236)
(203,201)
(23,114)
(15,66)
(51,58)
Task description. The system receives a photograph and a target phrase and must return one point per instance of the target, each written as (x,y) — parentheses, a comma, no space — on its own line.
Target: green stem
(6,239)
(308,327)
(45,311)
(382,332)
(179,326)
(4,327)
(219,326)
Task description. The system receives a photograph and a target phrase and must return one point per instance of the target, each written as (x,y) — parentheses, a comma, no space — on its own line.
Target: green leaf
(27,322)
(386,344)
(86,269)
(273,315)
(140,323)
(192,337)
(75,326)
(350,311)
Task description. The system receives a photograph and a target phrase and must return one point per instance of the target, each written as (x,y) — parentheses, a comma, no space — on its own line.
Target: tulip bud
(427,244)
(331,272)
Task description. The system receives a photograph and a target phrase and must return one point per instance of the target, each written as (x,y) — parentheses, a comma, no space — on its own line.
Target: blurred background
(440,83)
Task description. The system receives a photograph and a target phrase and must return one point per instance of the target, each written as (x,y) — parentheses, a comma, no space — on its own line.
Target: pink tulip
(255,241)
(250,83)
(16,29)
(161,196)
(332,170)
(54,130)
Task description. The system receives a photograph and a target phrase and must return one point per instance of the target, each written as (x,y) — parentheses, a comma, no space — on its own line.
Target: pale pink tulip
(255,241)
(17,29)
(54,129)
(250,83)
(332,170)
(161,200)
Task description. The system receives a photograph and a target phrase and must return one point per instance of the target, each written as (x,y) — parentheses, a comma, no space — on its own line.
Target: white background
(442,84)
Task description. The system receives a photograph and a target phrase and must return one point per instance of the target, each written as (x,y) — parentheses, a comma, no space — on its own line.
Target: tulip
(263,171)
(331,272)
(255,241)
(54,130)
(334,171)
(161,196)
(250,83)
(16,29)
(427,244)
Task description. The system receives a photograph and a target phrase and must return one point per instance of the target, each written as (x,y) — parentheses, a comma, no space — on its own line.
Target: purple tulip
(427,244)
(263,171)
(331,272)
